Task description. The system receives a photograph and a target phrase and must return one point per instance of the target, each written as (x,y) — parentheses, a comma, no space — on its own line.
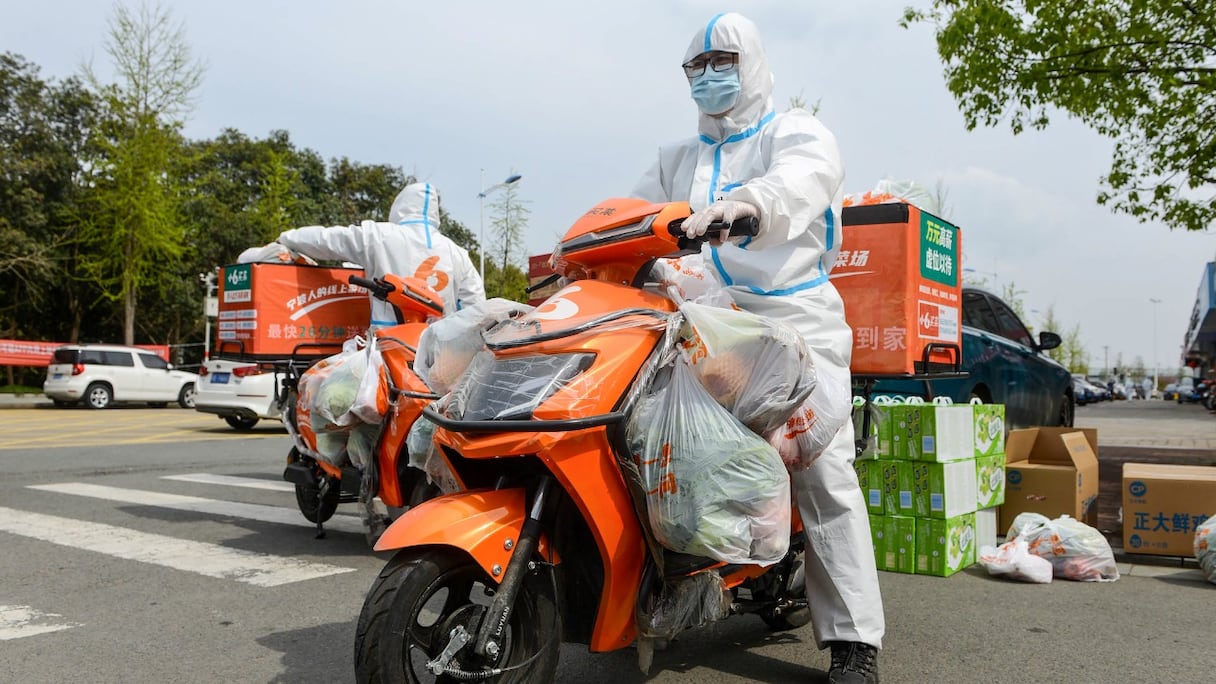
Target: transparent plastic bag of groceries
(1077,551)
(327,391)
(1014,560)
(713,487)
(448,345)
(755,367)
(1205,548)
(804,437)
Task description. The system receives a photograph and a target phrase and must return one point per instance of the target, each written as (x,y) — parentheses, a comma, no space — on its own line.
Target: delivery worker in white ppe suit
(408,244)
(786,170)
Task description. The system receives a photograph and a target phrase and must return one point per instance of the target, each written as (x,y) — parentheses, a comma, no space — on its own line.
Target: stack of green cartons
(924,484)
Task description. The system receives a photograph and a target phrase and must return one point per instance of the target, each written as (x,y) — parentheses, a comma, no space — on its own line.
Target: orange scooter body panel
(398,346)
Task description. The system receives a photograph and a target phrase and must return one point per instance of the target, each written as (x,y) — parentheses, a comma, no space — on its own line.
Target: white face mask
(716,92)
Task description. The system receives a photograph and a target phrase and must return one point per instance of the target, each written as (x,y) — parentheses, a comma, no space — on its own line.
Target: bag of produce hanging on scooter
(326,393)
(757,368)
(803,437)
(448,345)
(713,487)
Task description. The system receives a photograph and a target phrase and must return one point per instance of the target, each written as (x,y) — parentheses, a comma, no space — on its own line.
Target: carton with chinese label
(939,432)
(942,490)
(1163,505)
(990,481)
(897,487)
(943,547)
(869,476)
(1052,471)
(894,539)
(898,273)
(989,429)
(277,310)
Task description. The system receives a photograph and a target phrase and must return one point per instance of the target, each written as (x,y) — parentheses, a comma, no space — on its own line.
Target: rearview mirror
(1049,340)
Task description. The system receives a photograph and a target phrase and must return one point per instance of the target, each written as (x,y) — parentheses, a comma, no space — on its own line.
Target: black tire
(398,631)
(314,508)
(1068,412)
(796,588)
(63,403)
(185,398)
(241,422)
(98,396)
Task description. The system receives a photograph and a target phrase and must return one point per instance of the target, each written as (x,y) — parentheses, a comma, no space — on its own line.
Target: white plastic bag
(808,432)
(366,406)
(326,393)
(1014,560)
(713,487)
(686,277)
(1076,550)
(757,368)
(1205,548)
(448,345)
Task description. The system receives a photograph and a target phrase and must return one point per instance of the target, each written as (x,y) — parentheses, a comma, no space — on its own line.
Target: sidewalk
(23,400)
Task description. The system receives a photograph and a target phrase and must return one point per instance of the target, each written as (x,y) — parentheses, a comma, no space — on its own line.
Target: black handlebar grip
(748,226)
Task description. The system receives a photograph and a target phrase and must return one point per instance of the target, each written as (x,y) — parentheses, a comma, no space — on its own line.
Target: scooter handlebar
(748,226)
(379,288)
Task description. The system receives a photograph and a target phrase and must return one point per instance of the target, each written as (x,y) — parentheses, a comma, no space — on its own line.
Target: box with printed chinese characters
(271,310)
(1163,505)
(898,273)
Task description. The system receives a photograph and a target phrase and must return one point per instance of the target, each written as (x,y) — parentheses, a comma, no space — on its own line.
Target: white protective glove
(726,211)
(271,253)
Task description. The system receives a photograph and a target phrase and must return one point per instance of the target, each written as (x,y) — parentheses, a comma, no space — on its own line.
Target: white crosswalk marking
(271,514)
(230,481)
(22,621)
(211,560)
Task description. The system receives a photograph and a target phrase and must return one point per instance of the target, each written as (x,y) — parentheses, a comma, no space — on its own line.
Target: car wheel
(98,396)
(185,398)
(1067,412)
(63,403)
(241,422)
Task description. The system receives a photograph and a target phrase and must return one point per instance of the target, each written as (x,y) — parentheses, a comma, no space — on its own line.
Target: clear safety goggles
(718,61)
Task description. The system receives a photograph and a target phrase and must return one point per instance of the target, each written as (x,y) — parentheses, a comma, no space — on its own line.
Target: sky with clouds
(577,97)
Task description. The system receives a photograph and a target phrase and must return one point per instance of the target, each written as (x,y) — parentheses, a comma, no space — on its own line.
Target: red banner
(25,353)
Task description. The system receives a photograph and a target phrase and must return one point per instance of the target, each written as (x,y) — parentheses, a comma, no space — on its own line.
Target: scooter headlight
(511,388)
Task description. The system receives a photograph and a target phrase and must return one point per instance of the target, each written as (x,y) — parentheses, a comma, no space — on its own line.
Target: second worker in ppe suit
(785,169)
(408,244)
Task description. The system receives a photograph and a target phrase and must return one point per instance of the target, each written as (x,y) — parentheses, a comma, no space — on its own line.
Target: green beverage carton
(943,547)
(989,429)
(898,488)
(941,432)
(877,535)
(990,481)
(942,490)
(869,476)
(902,431)
(895,543)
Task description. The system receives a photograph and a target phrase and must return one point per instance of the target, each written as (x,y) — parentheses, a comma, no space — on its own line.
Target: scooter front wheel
(426,595)
(317,509)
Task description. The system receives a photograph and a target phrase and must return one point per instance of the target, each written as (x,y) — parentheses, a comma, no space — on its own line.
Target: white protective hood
(736,33)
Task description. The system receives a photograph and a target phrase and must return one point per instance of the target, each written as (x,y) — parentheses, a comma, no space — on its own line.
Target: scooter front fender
(485,524)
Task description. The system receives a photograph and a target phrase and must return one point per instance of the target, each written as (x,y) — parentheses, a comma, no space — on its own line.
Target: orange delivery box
(276,310)
(898,274)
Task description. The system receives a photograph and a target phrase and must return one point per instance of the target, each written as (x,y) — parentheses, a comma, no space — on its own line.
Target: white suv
(240,392)
(103,374)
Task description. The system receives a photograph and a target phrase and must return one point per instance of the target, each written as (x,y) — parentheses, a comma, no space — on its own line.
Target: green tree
(1138,72)
(134,232)
(509,222)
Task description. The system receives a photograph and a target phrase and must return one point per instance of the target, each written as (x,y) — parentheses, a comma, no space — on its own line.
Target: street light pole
(1155,302)
(481,199)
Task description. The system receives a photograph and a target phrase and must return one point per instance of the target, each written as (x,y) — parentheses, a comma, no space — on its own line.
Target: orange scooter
(321,485)
(542,543)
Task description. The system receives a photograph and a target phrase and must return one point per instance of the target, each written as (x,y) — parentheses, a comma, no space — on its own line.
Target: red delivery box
(277,310)
(898,273)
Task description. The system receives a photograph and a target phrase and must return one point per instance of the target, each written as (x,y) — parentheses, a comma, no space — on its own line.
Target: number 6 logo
(557,307)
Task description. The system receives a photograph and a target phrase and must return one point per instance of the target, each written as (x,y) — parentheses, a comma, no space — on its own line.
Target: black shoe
(853,663)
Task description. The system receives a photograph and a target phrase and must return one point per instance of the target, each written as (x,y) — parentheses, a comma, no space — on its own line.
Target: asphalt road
(144,545)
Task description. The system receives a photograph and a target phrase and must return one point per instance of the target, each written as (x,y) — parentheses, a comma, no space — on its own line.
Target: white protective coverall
(408,244)
(789,167)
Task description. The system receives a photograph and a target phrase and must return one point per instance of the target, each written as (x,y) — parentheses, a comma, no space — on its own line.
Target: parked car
(1083,391)
(1179,391)
(240,392)
(1004,364)
(101,375)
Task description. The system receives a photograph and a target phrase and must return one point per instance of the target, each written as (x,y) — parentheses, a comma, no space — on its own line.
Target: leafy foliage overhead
(1140,72)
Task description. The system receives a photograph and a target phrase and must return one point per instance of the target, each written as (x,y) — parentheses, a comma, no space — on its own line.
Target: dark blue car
(1004,364)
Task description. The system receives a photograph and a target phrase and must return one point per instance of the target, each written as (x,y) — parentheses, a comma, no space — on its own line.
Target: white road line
(22,621)
(230,481)
(270,514)
(210,560)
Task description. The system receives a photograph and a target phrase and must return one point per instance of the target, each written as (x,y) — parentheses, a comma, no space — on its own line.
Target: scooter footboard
(485,524)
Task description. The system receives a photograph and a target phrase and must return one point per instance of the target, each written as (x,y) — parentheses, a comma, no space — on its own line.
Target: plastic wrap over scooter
(713,487)
(757,368)
(448,345)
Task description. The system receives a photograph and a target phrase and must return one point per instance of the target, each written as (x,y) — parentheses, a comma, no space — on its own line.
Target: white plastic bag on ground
(1076,550)
(1205,548)
(713,487)
(1014,560)
(757,368)
(450,343)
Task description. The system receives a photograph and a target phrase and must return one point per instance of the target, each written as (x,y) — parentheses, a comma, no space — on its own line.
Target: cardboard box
(989,429)
(869,476)
(990,481)
(1052,471)
(942,490)
(943,547)
(939,432)
(894,542)
(897,487)
(1163,505)
(898,272)
(275,310)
